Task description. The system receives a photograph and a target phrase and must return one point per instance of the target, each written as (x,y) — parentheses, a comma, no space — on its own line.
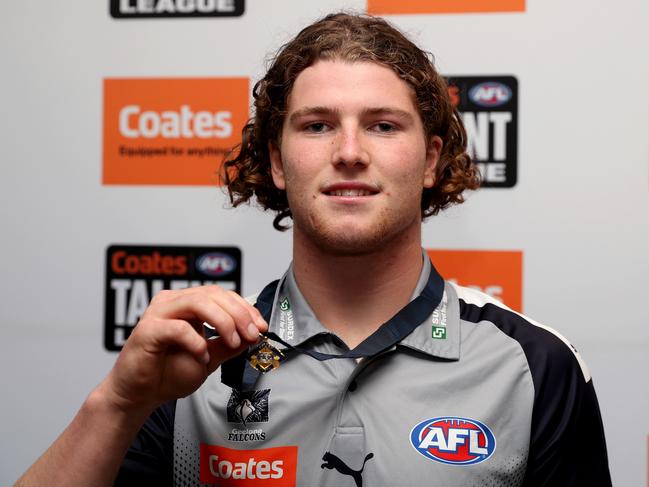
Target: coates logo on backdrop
(171,131)
(136,273)
(453,440)
(227,467)
(498,273)
(392,7)
(488,106)
(137,9)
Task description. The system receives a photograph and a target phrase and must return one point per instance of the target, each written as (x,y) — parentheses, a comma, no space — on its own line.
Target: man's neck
(354,295)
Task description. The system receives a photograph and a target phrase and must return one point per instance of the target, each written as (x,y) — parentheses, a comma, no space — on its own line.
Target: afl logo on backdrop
(490,94)
(215,264)
(453,440)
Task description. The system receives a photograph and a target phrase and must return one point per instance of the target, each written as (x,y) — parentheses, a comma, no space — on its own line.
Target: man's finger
(219,353)
(197,308)
(243,314)
(258,319)
(162,334)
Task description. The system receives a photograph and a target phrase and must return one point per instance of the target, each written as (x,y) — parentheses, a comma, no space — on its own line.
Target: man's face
(353,157)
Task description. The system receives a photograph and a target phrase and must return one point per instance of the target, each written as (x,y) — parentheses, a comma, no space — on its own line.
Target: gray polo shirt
(476,395)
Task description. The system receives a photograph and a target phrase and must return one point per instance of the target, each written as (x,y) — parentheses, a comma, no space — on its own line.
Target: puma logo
(332,461)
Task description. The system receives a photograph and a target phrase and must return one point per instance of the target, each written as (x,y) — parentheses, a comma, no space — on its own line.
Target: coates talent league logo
(453,440)
(133,9)
(136,273)
(488,106)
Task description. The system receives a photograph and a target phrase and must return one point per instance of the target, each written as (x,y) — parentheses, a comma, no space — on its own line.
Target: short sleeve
(567,443)
(149,460)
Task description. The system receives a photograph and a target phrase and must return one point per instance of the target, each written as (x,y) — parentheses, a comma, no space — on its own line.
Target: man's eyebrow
(317,110)
(322,110)
(398,112)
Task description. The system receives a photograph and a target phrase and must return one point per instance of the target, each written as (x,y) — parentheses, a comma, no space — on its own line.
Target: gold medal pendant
(264,357)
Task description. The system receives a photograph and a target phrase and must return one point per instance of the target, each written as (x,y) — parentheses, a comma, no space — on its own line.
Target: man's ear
(276,166)
(432,157)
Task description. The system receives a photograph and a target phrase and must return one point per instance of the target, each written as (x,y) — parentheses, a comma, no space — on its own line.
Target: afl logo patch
(216,264)
(453,440)
(490,94)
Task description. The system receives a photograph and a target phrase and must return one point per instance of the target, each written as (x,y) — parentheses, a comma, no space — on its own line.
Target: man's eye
(384,127)
(316,127)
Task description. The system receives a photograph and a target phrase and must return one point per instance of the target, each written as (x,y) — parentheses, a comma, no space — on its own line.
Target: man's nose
(350,147)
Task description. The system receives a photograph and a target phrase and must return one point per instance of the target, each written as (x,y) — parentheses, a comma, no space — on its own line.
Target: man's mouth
(350,190)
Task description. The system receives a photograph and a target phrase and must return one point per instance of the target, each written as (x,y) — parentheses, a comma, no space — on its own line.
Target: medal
(264,357)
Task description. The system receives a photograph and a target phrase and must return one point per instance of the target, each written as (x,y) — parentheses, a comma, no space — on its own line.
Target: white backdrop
(579,213)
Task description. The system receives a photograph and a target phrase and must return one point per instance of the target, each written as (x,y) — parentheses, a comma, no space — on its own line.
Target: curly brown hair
(353,38)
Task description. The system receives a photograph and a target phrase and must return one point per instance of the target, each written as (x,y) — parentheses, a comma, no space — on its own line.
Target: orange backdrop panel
(497,272)
(387,7)
(171,131)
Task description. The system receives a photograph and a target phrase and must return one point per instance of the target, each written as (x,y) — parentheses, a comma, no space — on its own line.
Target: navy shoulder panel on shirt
(542,345)
(567,445)
(149,460)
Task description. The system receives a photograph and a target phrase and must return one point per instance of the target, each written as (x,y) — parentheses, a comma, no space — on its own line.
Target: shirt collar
(439,335)
(293,320)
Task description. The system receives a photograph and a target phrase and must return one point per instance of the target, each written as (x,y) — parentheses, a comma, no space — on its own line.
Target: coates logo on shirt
(226,467)
(453,440)
(390,7)
(498,273)
(129,9)
(171,131)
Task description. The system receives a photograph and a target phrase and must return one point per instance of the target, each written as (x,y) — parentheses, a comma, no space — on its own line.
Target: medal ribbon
(239,374)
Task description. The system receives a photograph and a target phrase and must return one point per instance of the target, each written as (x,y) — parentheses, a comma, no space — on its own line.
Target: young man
(372,370)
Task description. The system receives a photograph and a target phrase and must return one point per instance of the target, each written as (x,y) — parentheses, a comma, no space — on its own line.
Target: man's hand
(167,356)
